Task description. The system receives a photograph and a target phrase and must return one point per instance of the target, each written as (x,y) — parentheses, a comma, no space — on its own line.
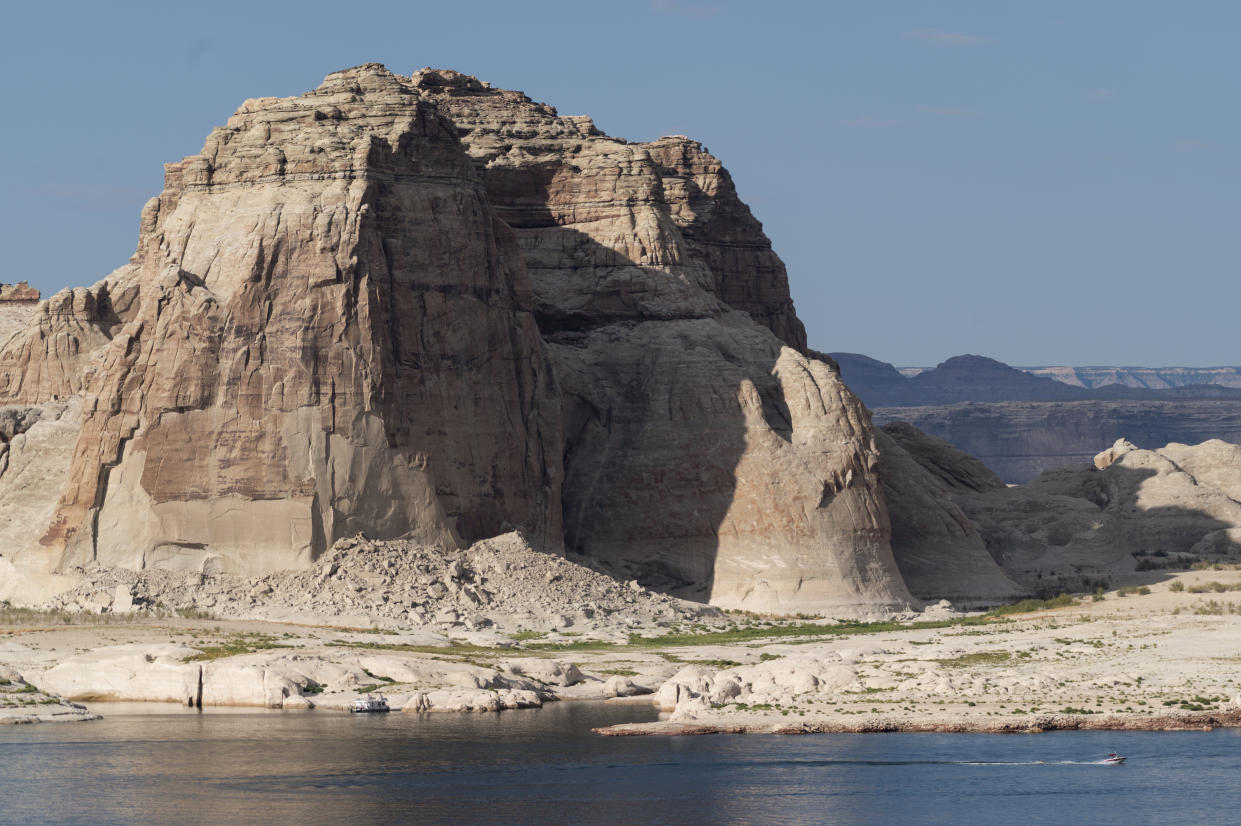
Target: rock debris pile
(499,583)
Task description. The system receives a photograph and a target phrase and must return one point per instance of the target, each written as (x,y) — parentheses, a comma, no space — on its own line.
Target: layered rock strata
(17,302)
(702,449)
(1155,378)
(329,326)
(325,329)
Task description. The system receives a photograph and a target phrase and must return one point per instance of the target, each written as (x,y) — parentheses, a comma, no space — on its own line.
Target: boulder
(619,686)
(548,672)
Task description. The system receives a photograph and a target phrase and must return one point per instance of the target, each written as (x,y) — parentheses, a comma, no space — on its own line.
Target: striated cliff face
(421,306)
(703,451)
(325,329)
(17,302)
(1154,378)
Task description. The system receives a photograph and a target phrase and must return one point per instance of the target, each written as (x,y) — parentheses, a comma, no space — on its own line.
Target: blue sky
(1045,183)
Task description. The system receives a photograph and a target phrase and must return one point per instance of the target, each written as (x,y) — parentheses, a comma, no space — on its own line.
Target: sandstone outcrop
(17,302)
(702,450)
(424,307)
(1174,503)
(21,291)
(36,451)
(325,329)
(21,702)
(939,551)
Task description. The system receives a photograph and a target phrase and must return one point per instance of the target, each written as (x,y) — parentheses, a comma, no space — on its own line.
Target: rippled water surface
(546,767)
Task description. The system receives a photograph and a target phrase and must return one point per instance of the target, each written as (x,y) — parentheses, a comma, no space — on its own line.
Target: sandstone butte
(421,306)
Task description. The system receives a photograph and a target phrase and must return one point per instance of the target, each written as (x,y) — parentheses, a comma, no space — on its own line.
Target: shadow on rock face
(1079,524)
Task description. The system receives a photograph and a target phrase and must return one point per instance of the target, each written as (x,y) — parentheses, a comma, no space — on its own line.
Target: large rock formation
(325,329)
(329,326)
(702,449)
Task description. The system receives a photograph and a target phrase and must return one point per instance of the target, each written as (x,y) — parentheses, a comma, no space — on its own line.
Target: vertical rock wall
(703,449)
(333,334)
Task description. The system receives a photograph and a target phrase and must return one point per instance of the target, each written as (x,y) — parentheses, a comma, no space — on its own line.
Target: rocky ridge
(1020,424)
(1155,378)
(1019,440)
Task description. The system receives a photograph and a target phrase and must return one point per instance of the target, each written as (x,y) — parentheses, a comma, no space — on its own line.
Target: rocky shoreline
(1205,721)
(1160,655)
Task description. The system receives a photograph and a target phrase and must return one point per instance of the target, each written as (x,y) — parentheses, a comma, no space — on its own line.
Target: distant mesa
(1153,378)
(1021,424)
(971,378)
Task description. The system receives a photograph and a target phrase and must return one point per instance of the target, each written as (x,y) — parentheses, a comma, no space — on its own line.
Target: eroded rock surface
(703,451)
(325,329)
(425,307)
(1174,503)
(939,550)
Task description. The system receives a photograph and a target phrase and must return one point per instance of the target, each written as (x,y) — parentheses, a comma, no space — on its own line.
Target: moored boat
(370,704)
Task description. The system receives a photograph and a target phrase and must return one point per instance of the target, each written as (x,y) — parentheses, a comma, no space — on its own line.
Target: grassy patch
(28,617)
(977,658)
(1215,588)
(237,645)
(1027,606)
(523,636)
(805,630)
(673,658)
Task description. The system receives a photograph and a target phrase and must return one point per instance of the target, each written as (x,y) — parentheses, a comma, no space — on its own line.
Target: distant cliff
(972,378)
(1155,378)
(1021,424)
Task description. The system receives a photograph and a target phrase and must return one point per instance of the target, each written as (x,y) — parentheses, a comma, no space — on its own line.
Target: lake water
(184,766)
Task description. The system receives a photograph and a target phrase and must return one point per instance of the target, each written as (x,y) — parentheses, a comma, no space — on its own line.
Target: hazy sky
(1042,182)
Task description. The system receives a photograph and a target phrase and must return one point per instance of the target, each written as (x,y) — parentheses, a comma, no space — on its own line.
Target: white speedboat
(370,704)
(1113,759)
